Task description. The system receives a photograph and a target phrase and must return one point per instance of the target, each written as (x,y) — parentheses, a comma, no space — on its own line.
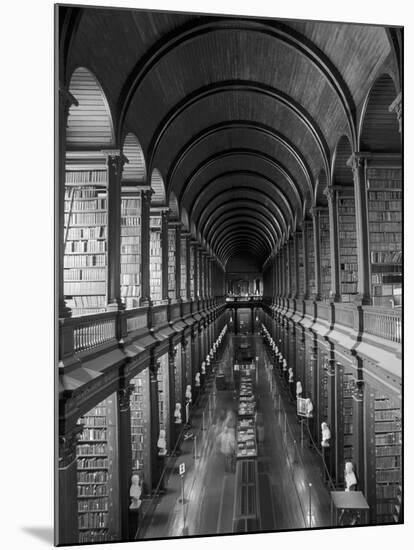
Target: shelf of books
(85,241)
(155,258)
(171,262)
(388,450)
(140,426)
(130,250)
(178,378)
(95,476)
(345,407)
(323,367)
(301,271)
(385,234)
(311,259)
(325,251)
(163,396)
(183,265)
(192,272)
(347,247)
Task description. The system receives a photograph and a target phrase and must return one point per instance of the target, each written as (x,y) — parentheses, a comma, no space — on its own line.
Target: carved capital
(146,196)
(124,395)
(172,354)
(115,161)
(330,193)
(67,446)
(358,390)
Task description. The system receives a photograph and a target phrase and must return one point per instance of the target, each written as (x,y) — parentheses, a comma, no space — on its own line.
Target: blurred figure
(227,446)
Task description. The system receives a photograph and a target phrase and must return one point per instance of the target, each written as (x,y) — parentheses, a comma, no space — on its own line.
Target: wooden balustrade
(91,331)
(383,323)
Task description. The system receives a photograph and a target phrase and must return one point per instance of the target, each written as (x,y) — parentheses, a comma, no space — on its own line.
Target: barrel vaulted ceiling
(239,116)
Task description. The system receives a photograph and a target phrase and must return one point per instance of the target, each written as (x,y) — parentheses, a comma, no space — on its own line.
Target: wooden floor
(284,472)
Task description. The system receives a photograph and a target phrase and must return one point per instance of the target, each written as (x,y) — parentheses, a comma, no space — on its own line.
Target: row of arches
(90,125)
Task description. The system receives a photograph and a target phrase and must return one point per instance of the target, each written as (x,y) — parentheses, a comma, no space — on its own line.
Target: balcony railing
(383,323)
(91,331)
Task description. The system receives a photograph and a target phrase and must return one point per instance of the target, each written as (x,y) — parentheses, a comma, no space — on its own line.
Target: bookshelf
(192,271)
(130,250)
(155,258)
(171,263)
(325,251)
(323,363)
(348,384)
(140,423)
(311,259)
(94,453)
(85,241)
(163,395)
(388,451)
(347,248)
(301,271)
(385,234)
(183,264)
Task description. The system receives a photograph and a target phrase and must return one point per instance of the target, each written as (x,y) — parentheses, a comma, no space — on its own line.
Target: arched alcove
(341,172)
(90,122)
(173,207)
(379,126)
(134,171)
(158,187)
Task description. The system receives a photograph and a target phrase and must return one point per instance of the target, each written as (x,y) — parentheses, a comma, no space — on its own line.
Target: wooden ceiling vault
(238,118)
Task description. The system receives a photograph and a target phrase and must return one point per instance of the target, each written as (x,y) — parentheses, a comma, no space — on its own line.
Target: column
(317,248)
(67,522)
(124,457)
(164,255)
(115,162)
(358,432)
(145,248)
(357,162)
(252,318)
(178,261)
(331,194)
(306,290)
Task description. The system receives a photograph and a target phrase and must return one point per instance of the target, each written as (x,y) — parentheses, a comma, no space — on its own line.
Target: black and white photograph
(229,274)
(222,360)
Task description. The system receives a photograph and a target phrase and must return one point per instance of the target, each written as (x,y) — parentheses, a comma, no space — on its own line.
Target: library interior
(229,274)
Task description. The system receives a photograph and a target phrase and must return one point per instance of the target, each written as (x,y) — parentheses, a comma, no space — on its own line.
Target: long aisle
(210,486)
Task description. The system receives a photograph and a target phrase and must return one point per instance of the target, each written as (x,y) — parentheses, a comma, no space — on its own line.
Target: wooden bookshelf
(325,251)
(171,263)
(130,250)
(163,396)
(344,420)
(155,258)
(388,451)
(140,426)
(311,260)
(183,264)
(95,477)
(347,248)
(192,272)
(301,271)
(85,241)
(385,234)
